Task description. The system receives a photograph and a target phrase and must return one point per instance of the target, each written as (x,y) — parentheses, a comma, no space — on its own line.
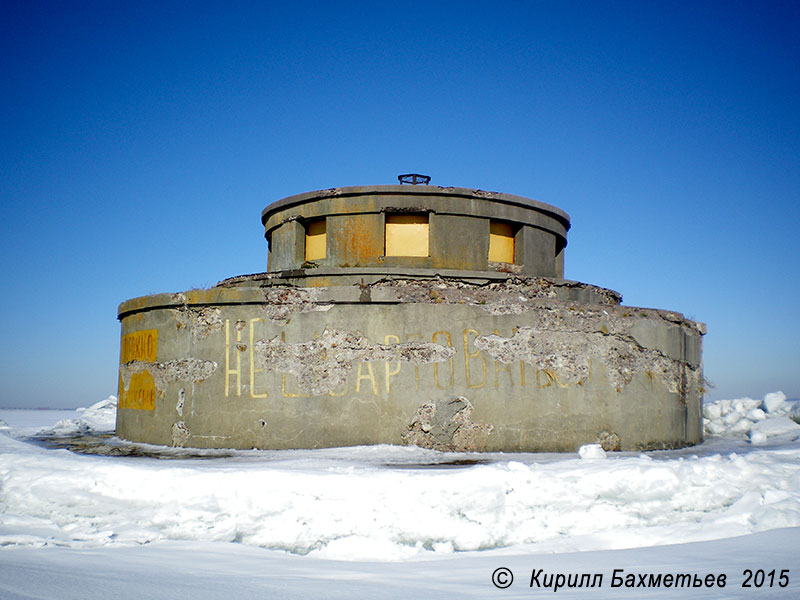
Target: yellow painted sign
(139,345)
(141,392)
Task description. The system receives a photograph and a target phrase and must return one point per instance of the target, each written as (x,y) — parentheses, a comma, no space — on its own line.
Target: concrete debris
(609,441)
(447,426)
(504,267)
(281,303)
(181,369)
(199,321)
(250,278)
(322,365)
(180,434)
(515,295)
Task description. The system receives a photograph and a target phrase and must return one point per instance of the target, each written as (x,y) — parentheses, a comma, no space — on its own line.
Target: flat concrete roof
(413,190)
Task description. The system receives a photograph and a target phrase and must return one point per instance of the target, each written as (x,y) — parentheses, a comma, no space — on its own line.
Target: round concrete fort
(398,314)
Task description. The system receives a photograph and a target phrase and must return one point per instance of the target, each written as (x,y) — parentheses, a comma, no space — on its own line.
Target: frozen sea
(86,515)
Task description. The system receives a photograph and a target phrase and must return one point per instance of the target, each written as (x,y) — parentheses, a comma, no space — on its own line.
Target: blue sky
(140,142)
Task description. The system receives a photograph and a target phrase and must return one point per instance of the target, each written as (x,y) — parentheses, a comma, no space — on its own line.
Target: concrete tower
(409,315)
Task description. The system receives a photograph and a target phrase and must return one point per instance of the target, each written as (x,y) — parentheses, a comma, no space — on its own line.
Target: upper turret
(399,227)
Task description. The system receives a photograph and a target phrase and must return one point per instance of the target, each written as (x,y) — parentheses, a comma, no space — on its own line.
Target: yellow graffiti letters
(469,355)
(139,345)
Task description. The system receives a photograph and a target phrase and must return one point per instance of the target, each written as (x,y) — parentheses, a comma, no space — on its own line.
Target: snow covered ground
(151,522)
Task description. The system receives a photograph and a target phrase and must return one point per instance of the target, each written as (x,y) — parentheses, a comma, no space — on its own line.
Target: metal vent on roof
(413,179)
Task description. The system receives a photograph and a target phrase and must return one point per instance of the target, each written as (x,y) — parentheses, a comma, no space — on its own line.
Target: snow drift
(392,503)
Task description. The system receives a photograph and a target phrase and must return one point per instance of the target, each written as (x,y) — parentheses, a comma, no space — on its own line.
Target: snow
(591,451)
(758,419)
(100,417)
(206,571)
(347,520)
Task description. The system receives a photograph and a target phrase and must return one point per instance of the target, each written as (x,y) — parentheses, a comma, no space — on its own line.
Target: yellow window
(501,242)
(316,239)
(407,235)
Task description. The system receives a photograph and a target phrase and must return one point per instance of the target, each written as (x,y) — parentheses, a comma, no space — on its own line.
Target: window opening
(501,242)
(406,235)
(316,240)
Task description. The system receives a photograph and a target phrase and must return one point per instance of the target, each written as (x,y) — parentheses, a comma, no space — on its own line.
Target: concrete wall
(355,239)
(536,250)
(439,364)
(459,242)
(286,246)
